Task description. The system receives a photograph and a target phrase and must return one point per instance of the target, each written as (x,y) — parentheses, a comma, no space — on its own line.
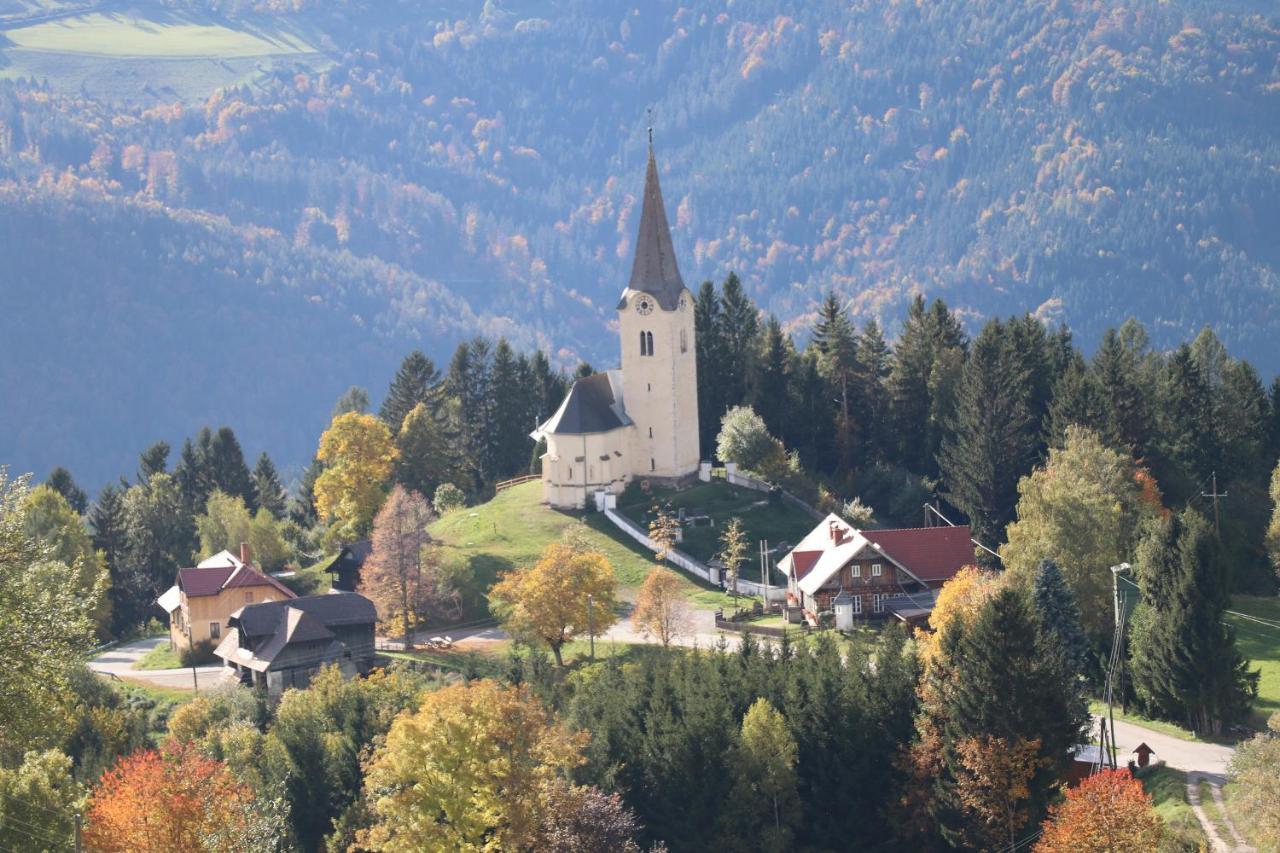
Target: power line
(31,804)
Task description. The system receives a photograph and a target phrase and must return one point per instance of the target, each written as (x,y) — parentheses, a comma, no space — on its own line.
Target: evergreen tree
(192,475)
(302,509)
(812,413)
(107,525)
(60,481)
(995,440)
(469,384)
(1040,353)
(836,340)
(226,467)
(268,491)
(354,399)
(514,411)
(926,365)
(1185,663)
(417,381)
(161,538)
(1078,401)
(1001,685)
(154,460)
(871,370)
(1273,444)
(425,443)
(1126,413)
(711,356)
(549,386)
(1186,450)
(1059,617)
(769,389)
(739,332)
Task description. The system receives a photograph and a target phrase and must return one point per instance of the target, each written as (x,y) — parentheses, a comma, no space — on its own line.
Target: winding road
(118,662)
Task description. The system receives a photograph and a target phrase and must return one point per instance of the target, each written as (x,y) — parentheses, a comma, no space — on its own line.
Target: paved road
(1181,754)
(119,662)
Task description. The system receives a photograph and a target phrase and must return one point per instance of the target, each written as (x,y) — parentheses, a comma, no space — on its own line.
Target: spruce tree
(1005,682)
(154,460)
(513,412)
(995,440)
(302,509)
(549,386)
(227,469)
(836,340)
(1126,411)
(1078,400)
(469,385)
(1059,617)
(711,355)
(268,491)
(354,399)
(871,370)
(926,364)
(1185,663)
(1187,450)
(769,389)
(1273,443)
(739,332)
(417,381)
(60,481)
(107,525)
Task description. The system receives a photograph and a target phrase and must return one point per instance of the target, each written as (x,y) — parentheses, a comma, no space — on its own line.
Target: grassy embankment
(775,522)
(161,657)
(512,529)
(1261,645)
(1168,790)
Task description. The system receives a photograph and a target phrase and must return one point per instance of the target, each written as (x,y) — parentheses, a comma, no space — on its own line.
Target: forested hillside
(401,176)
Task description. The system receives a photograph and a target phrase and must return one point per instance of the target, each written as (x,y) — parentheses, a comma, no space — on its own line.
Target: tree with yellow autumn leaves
(570,590)
(358,454)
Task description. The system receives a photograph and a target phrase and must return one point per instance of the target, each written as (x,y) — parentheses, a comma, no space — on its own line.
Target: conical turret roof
(654,270)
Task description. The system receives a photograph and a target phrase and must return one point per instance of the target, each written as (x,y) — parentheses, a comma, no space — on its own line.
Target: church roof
(593,404)
(654,270)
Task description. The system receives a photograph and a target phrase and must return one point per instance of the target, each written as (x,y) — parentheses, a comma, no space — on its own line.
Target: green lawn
(312,580)
(512,529)
(1261,645)
(161,657)
(1168,790)
(776,522)
(156,36)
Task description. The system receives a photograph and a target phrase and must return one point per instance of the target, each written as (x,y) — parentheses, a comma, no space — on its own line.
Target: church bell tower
(659,359)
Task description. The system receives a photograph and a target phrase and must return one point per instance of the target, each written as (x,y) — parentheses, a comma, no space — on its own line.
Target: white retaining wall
(680,558)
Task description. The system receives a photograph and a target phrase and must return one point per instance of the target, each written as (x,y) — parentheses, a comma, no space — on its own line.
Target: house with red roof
(204,596)
(873,573)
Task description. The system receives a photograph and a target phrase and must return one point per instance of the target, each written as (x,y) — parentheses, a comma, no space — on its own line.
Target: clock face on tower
(644,306)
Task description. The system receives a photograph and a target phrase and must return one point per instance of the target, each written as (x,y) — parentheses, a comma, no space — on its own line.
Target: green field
(161,657)
(1168,790)
(312,580)
(775,522)
(1261,645)
(155,55)
(512,529)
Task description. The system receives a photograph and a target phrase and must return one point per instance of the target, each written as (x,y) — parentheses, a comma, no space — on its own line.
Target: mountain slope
(457,171)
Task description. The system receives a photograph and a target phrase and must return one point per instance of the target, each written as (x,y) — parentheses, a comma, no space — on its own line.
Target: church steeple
(654,270)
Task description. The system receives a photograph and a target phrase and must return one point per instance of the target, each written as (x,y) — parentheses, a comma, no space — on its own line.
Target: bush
(198,655)
(448,497)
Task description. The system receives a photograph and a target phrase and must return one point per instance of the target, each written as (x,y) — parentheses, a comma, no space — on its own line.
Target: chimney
(244,552)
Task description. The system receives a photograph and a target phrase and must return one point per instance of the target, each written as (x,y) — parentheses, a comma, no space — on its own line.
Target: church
(640,421)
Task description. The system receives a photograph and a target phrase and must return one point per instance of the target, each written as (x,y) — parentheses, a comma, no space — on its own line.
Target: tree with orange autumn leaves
(1108,813)
(661,608)
(174,799)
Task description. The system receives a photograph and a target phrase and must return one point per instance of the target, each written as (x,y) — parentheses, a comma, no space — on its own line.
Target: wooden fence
(515,481)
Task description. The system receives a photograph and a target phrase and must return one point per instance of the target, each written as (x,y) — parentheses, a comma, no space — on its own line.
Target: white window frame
(215,630)
(877,603)
(855,570)
(857,605)
(876,570)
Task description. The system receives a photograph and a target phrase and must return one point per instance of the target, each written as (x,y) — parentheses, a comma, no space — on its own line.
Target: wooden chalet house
(282,644)
(872,574)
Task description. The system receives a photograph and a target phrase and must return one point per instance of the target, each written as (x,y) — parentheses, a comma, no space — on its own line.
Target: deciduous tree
(547,602)
(52,521)
(1109,812)
(763,765)
(38,803)
(467,771)
(734,548)
(745,440)
(358,455)
(994,784)
(662,611)
(664,531)
(399,575)
(1255,769)
(165,800)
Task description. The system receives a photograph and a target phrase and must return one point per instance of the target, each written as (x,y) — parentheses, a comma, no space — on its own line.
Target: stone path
(1236,842)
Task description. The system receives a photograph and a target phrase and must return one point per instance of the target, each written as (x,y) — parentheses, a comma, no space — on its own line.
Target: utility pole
(1217,516)
(591,624)
(1116,656)
(191,650)
(78,840)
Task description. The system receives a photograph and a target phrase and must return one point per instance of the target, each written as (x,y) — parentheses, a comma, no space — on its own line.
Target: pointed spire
(654,270)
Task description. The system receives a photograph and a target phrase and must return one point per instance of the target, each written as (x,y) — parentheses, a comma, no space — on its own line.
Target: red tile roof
(930,553)
(211,581)
(803,561)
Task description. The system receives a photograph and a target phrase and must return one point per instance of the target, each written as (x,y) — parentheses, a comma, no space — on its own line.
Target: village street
(119,661)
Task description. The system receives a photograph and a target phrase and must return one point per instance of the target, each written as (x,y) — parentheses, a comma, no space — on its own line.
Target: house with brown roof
(204,596)
(282,644)
(873,574)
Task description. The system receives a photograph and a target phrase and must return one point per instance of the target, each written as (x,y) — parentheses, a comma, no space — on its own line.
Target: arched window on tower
(644,347)
(649,338)
(684,342)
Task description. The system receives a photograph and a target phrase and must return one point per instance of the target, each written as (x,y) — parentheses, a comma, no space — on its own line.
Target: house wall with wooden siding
(863,583)
(201,611)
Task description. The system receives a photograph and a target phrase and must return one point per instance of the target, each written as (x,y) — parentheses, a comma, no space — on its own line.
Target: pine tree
(154,460)
(813,412)
(1078,401)
(268,491)
(769,388)
(710,349)
(195,482)
(107,523)
(549,386)
(469,384)
(926,365)
(871,370)
(417,381)
(513,411)
(302,509)
(1185,663)
(1186,450)
(1059,617)
(995,440)
(354,399)
(60,481)
(1126,402)
(1273,443)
